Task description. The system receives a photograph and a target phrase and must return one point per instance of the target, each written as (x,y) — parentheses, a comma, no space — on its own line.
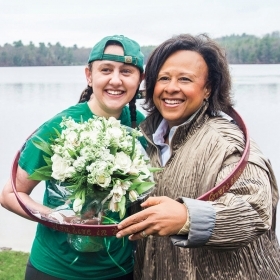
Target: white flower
(123,162)
(117,192)
(72,137)
(79,163)
(95,124)
(59,167)
(57,149)
(77,205)
(113,206)
(146,173)
(125,185)
(113,122)
(133,195)
(89,136)
(69,172)
(114,134)
(103,180)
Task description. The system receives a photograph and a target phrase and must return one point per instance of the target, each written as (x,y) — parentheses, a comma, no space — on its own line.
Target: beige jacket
(242,243)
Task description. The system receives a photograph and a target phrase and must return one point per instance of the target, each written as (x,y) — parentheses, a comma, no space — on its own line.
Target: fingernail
(118,235)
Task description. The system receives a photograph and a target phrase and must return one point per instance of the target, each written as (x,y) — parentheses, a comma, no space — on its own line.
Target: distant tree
(18,44)
(251,49)
(239,49)
(147,50)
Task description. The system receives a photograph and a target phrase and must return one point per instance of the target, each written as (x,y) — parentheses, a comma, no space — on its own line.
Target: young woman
(114,73)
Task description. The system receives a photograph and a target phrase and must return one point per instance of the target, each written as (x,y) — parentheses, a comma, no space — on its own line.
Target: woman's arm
(24,187)
(234,220)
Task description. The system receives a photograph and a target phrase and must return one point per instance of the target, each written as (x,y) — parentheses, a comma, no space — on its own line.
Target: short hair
(219,79)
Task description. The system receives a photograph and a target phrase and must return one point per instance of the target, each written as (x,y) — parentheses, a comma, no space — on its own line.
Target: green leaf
(47,160)
(107,220)
(57,132)
(113,150)
(71,186)
(41,174)
(155,169)
(45,170)
(71,153)
(132,155)
(134,185)
(123,176)
(121,205)
(145,186)
(42,145)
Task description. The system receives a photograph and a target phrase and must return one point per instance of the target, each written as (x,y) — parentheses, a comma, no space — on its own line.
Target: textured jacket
(242,244)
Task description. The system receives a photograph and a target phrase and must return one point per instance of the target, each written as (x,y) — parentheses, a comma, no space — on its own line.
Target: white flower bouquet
(97,160)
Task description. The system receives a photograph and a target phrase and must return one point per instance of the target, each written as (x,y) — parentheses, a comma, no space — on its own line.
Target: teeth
(114,92)
(172,101)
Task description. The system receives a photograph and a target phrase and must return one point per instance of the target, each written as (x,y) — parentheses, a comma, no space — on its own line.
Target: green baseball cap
(132,53)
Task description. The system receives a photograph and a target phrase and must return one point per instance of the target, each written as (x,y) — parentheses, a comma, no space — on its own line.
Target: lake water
(31,95)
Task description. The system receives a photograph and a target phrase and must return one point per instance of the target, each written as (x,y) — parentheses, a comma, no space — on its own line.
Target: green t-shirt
(51,253)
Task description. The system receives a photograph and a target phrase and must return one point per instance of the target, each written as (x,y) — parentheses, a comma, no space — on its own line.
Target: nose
(115,78)
(172,86)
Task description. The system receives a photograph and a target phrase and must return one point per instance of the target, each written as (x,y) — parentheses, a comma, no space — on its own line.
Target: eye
(163,78)
(126,71)
(184,79)
(106,70)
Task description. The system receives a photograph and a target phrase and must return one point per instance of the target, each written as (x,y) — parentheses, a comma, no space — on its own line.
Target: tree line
(240,49)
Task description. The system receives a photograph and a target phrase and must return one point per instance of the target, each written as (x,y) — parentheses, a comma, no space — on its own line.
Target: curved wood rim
(111,230)
(225,185)
(90,230)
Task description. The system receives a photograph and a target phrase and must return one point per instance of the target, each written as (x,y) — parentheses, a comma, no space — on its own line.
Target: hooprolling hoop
(111,230)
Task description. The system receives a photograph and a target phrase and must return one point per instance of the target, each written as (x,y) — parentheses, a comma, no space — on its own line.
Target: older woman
(180,237)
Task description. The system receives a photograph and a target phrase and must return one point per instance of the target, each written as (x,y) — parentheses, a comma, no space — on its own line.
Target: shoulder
(126,118)
(225,129)
(216,138)
(78,112)
(140,117)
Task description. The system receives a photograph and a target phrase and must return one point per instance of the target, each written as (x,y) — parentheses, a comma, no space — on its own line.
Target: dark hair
(87,92)
(219,80)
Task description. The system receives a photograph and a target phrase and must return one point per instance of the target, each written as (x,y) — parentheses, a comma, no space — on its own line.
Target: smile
(115,92)
(173,101)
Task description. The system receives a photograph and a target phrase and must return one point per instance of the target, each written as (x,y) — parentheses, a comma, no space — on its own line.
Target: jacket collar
(151,123)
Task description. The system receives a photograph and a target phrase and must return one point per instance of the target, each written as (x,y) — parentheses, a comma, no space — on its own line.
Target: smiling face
(181,86)
(114,84)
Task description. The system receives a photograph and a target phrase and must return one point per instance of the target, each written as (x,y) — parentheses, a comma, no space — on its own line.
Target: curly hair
(219,79)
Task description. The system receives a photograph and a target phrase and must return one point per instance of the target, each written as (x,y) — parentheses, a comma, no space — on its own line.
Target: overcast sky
(84,22)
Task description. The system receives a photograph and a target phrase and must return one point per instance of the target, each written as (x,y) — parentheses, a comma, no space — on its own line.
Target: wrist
(186,227)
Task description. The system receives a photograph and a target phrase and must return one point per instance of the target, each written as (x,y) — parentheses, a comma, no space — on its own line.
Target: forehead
(185,59)
(114,49)
(97,65)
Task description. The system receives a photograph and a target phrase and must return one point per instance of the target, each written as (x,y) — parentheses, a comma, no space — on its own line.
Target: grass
(12,265)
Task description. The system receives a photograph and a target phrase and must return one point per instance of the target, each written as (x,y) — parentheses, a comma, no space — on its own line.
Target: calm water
(31,95)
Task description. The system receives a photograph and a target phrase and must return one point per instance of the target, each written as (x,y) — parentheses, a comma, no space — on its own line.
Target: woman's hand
(162,216)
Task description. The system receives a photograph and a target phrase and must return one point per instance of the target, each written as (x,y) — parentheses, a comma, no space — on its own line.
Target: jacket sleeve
(236,218)
(245,212)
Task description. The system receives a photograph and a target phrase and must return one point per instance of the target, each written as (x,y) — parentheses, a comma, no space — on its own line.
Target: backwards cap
(132,53)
